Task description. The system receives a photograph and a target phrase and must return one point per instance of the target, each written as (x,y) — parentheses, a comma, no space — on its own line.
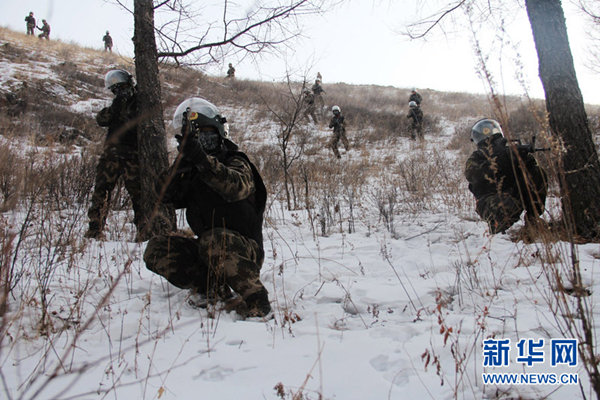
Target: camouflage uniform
(108,42)
(318,91)
(416,97)
(231,72)
(225,198)
(45,31)
(417,122)
(30,24)
(339,132)
(499,184)
(309,103)
(119,159)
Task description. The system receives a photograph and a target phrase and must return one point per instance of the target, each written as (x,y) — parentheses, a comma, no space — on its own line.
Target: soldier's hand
(191,150)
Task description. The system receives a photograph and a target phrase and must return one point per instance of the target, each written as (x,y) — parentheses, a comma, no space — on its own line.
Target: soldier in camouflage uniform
(415,96)
(309,104)
(120,155)
(504,181)
(30,19)
(416,128)
(45,30)
(224,197)
(108,42)
(318,91)
(339,131)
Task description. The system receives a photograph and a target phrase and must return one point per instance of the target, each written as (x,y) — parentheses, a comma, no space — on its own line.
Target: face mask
(209,140)
(124,91)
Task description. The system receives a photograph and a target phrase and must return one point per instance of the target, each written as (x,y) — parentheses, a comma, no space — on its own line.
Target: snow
(353,316)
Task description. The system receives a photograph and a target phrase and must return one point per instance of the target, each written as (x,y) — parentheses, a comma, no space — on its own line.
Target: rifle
(526,149)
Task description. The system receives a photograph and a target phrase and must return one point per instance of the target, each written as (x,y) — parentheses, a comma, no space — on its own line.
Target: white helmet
(485,129)
(200,113)
(412,103)
(336,108)
(117,76)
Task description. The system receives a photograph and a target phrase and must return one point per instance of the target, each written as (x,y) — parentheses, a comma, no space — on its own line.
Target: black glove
(191,150)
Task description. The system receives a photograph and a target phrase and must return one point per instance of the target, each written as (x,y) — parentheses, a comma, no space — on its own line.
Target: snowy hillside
(383,281)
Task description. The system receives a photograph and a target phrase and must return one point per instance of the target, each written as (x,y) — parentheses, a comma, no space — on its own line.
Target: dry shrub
(11,176)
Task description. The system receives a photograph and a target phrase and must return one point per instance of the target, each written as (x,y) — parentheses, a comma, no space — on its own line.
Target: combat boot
(257,304)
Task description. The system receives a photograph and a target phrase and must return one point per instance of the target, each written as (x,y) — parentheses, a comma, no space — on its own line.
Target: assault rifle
(526,149)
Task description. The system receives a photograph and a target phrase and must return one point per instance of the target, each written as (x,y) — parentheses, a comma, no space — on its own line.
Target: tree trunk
(156,219)
(580,186)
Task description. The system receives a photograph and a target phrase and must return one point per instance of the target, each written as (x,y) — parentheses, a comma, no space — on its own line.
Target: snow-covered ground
(367,315)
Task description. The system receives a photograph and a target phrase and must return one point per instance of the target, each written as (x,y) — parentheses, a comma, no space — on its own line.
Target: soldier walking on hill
(30,24)
(339,131)
(231,72)
(45,30)
(504,180)
(318,91)
(415,96)
(120,155)
(309,104)
(416,114)
(224,197)
(108,42)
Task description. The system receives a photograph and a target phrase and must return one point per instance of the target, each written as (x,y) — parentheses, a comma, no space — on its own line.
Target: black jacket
(121,118)
(225,192)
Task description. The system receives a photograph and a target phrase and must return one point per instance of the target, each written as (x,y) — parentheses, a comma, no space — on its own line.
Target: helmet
(201,113)
(412,103)
(485,129)
(31,13)
(117,76)
(107,32)
(414,89)
(335,109)
(43,20)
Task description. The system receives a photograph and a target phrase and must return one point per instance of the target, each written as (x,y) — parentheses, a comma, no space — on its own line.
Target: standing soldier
(417,120)
(108,42)
(224,197)
(309,103)
(318,91)
(30,24)
(120,155)
(339,131)
(45,30)
(231,72)
(504,180)
(416,97)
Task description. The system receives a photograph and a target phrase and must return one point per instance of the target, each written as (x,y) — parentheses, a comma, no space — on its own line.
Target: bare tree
(182,39)
(156,219)
(591,9)
(580,166)
(287,113)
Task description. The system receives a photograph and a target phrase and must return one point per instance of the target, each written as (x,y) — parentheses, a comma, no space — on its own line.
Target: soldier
(416,114)
(309,104)
(45,30)
(120,155)
(415,96)
(504,181)
(318,91)
(108,42)
(30,23)
(339,131)
(224,197)
(231,71)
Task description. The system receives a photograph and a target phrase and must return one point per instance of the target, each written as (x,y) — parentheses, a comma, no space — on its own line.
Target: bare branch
(432,21)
